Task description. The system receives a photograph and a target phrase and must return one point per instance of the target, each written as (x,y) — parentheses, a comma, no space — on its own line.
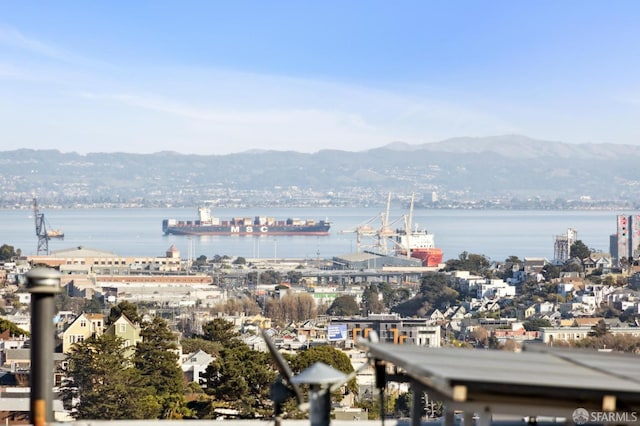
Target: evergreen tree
(94,305)
(156,360)
(391,296)
(475,263)
(435,290)
(7,252)
(579,250)
(221,331)
(344,306)
(239,379)
(194,344)
(328,355)
(125,308)
(102,384)
(371,300)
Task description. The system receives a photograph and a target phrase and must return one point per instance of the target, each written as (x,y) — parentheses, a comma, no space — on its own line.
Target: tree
(194,344)
(200,261)
(294,277)
(157,362)
(534,324)
(481,336)
(298,307)
(392,296)
(529,288)
(344,306)
(14,330)
(550,271)
(270,277)
(221,331)
(328,355)
(510,263)
(7,252)
(475,263)
(102,384)
(240,261)
(579,250)
(402,407)
(125,308)
(371,300)
(239,379)
(241,304)
(435,290)
(94,305)
(599,330)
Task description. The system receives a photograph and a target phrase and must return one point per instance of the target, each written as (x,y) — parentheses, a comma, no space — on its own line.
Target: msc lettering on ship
(249,229)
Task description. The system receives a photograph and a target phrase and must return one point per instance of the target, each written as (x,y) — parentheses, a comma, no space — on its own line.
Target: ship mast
(408,225)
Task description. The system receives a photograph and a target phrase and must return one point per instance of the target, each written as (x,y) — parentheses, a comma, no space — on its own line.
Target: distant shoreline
(462,206)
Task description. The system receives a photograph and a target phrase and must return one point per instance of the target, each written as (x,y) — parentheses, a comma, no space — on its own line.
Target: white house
(194,364)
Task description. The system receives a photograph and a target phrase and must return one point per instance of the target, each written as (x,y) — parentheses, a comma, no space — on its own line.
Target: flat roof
(544,380)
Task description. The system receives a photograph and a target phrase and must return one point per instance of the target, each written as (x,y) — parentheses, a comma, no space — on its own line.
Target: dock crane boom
(41,229)
(43,234)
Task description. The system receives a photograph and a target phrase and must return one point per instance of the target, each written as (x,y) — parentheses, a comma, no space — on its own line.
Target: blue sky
(218,77)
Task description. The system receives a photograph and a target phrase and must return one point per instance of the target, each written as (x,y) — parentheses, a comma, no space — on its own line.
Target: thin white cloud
(259,100)
(14,38)
(152,109)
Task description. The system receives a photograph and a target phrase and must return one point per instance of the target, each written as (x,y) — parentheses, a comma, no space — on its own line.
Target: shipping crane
(380,236)
(43,234)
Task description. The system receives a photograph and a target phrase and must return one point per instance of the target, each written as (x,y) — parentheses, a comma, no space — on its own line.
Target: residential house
(530,311)
(495,288)
(127,331)
(597,262)
(194,364)
(544,307)
(468,283)
(436,315)
(84,326)
(624,299)
(534,265)
(575,309)
(564,288)
(517,332)
(17,359)
(488,305)
(24,297)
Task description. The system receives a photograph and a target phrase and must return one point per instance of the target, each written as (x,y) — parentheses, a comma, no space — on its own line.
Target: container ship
(259,225)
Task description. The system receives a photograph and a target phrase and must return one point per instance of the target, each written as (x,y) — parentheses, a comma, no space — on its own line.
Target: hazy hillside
(463,168)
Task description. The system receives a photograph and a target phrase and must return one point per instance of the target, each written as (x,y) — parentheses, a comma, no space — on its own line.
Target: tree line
(102,382)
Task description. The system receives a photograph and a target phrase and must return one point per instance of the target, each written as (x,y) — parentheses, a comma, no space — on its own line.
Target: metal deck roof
(535,382)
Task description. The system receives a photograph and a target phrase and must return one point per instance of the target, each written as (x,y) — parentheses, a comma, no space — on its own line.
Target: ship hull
(228,231)
(429,256)
(321,229)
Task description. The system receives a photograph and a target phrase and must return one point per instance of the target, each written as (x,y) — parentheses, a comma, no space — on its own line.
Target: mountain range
(501,168)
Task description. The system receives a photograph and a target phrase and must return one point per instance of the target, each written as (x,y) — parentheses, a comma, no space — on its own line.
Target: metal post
(320,377)
(416,403)
(43,284)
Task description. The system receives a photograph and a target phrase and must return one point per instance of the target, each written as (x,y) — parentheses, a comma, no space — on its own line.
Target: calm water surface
(138,232)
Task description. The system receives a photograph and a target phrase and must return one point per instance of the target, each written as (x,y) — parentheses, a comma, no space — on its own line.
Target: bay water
(496,234)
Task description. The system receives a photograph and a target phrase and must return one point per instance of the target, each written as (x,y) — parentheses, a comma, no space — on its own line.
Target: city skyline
(217,78)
